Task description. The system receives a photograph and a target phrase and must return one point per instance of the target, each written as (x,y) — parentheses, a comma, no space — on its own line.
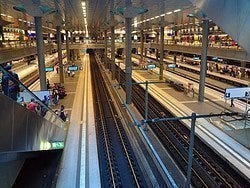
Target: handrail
(31,93)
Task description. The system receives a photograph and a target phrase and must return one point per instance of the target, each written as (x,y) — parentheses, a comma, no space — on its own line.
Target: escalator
(30,144)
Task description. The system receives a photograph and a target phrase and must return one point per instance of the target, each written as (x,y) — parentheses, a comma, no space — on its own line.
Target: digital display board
(73,68)
(49,69)
(172,65)
(151,66)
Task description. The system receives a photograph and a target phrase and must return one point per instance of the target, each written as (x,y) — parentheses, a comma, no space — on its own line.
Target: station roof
(231,16)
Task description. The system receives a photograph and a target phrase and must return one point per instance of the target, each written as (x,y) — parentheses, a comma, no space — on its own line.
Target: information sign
(26,97)
(73,68)
(151,66)
(49,69)
(57,145)
(240,92)
(172,65)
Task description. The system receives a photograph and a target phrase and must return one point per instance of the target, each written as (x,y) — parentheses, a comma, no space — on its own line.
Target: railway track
(118,165)
(208,170)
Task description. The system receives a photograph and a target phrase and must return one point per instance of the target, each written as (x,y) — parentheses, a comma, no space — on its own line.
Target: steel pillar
(40,55)
(1,36)
(142,44)
(112,27)
(157,50)
(59,50)
(128,68)
(203,67)
(112,52)
(161,52)
(106,48)
(67,46)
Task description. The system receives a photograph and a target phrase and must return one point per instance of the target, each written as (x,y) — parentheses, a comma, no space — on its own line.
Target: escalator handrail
(30,92)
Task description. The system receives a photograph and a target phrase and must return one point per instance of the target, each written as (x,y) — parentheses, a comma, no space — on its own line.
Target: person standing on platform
(48,84)
(232,103)
(10,83)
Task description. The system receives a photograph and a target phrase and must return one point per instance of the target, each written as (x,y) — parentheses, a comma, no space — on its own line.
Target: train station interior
(124,93)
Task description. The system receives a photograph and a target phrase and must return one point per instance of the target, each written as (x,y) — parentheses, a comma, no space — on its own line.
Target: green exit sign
(57,145)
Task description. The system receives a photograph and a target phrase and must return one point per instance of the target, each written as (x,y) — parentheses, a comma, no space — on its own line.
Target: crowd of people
(236,72)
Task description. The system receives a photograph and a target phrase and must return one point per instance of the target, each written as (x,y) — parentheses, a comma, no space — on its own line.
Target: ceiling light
(84,4)
(169,13)
(177,10)
(162,15)
(3,14)
(157,16)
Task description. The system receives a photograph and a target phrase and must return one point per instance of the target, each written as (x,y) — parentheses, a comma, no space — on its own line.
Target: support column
(112,52)
(59,50)
(112,40)
(161,52)
(128,68)
(142,44)
(67,46)
(1,36)
(203,67)
(40,55)
(106,48)
(157,50)
(145,48)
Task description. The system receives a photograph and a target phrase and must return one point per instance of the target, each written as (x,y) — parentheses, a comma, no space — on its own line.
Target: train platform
(213,74)
(79,165)
(229,140)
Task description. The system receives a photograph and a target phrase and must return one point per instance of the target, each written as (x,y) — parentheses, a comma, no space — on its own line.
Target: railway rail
(208,170)
(118,165)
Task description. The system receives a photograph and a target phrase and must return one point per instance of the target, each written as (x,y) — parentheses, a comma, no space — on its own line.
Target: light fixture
(177,10)
(168,13)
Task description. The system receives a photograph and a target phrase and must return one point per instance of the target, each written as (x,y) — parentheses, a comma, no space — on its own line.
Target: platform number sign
(237,93)
(227,95)
(247,94)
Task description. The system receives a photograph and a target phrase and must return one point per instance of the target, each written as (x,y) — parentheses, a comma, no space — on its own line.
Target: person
(63,114)
(32,105)
(10,85)
(48,84)
(232,102)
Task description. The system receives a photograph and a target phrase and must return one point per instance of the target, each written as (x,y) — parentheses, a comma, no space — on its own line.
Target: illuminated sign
(49,69)
(57,145)
(151,66)
(172,65)
(73,68)
(243,92)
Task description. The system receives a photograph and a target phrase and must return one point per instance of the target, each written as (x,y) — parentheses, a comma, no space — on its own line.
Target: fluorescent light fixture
(157,16)
(3,14)
(147,20)
(9,16)
(83,3)
(177,10)
(20,20)
(152,18)
(162,15)
(168,13)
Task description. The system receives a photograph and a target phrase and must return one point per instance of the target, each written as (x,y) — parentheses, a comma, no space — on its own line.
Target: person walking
(232,103)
